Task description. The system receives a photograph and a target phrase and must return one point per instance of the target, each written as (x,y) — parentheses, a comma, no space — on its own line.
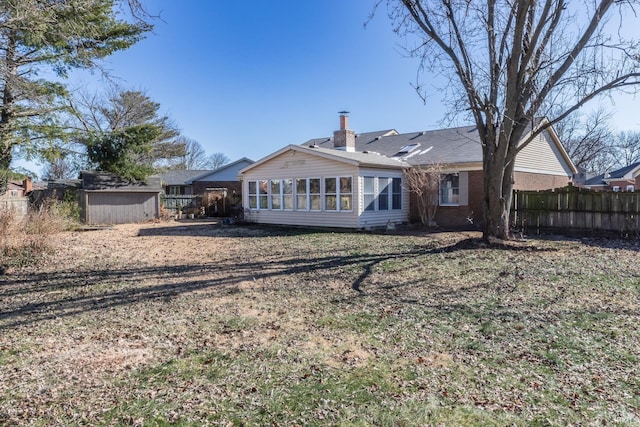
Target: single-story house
(623,179)
(216,190)
(109,199)
(295,185)
(178,182)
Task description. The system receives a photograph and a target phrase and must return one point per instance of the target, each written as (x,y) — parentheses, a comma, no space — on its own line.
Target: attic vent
(407,149)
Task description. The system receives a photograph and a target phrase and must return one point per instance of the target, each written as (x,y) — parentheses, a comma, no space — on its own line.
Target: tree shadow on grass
(37,297)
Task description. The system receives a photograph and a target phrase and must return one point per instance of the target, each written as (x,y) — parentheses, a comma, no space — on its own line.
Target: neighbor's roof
(99,180)
(180,177)
(446,146)
(213,173)
(626,172)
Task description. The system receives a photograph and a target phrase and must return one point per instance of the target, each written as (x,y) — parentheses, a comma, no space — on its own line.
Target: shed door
(120,207)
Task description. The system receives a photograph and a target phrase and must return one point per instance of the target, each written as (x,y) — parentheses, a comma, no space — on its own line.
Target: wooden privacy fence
(576,210)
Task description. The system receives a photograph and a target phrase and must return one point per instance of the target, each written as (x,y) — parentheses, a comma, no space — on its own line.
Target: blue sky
(246,78)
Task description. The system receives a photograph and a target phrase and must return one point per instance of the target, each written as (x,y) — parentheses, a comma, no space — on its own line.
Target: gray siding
(120,207)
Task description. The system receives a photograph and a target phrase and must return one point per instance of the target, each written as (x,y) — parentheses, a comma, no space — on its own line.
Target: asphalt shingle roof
(616,174)
(180,177)
(446,146)
(363,157)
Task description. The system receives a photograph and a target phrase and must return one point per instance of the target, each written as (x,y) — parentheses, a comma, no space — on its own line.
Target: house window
(253,195)
(263,194)
(302,194)
(396,193)
(330,194)
(383,196)
(174,190)
(449,189)
(287,194)
(631,187)
(616,188)
(338,189)
(276,194)
(346,193)
(369,193)
(314,194)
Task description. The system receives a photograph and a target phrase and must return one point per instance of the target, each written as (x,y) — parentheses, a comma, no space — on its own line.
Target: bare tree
(424,183)
(627,148)
(508,61)
(62,167)
(194,155)
(217,160)
(588,140)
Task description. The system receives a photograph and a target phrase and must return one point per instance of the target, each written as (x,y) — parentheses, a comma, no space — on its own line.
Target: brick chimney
(344,139)
(27,184)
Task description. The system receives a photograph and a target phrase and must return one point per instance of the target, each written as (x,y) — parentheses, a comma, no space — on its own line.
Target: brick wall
(470,216)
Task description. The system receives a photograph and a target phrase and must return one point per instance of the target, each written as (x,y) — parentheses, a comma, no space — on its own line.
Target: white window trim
(271,195)
(292,194)
(319,194)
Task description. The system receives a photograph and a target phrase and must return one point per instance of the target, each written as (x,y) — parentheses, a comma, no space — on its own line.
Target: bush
(24,240)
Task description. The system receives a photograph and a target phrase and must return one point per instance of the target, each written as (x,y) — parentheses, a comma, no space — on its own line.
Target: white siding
(375,219)
(303,165)
(542,156)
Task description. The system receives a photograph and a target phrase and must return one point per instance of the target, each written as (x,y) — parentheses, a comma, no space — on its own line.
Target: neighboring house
(623,179)
(178,182)
(373,162)
(220,189)
(215,190)
(16,198)
(109,199)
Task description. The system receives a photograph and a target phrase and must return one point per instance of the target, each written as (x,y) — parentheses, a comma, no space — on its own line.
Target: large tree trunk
(498,185)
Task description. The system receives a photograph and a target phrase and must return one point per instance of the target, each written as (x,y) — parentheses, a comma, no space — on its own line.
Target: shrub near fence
(574,210)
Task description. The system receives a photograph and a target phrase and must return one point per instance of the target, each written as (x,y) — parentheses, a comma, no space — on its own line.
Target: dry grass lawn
(197,323)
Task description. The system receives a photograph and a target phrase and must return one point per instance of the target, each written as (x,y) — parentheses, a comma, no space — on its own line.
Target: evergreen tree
(41,36)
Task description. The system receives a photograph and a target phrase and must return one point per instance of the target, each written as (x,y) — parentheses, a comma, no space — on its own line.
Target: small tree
(424,182)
